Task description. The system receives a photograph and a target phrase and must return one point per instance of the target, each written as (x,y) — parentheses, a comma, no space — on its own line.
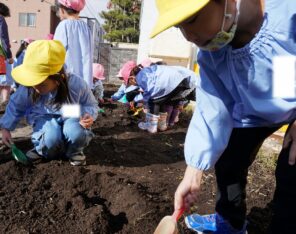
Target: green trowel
(18,155)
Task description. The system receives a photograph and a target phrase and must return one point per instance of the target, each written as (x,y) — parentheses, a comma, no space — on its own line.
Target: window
(27,19)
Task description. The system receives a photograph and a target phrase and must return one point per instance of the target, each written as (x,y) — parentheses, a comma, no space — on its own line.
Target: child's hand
(6,137)
(10,61)
(109,100)
(86,121)
(140,104)
(132,105)
(101,101)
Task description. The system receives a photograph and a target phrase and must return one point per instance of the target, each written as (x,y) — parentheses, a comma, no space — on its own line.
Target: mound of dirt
(126,187)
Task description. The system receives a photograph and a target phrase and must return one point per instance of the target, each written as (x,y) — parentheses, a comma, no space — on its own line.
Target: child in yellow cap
(235,109)
(44,89)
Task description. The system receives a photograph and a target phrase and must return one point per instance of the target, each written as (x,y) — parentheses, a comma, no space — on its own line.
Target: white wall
(170,45)
(148,19)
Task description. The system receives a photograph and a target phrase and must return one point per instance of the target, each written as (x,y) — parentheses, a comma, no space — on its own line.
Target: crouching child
(44,89)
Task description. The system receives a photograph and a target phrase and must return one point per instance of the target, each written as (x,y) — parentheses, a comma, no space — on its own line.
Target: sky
(93,7)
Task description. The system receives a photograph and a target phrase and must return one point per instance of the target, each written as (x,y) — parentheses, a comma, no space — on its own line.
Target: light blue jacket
(20,104)
(77,39)
(18,61)
(235,89)
(120,93)
(159,80)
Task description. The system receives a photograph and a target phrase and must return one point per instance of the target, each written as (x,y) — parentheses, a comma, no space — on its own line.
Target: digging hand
(10,61)
(6,137)
(110,100)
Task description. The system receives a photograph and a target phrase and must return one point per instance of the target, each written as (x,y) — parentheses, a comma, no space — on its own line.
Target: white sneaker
(78,160)
(32,155)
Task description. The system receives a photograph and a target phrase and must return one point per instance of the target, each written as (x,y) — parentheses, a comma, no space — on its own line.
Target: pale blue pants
(57,137)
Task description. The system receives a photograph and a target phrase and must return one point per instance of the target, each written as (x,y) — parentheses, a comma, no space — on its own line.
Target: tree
(122,21)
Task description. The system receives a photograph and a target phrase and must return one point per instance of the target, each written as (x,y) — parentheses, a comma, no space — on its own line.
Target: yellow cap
(42,59)
(173,12)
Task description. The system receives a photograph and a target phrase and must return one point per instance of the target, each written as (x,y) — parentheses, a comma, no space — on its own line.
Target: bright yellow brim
(26,77)
(177,15)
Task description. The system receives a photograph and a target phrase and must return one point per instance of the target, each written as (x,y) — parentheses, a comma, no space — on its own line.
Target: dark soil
(126,187)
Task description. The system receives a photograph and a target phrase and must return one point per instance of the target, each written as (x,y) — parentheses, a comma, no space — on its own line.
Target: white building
(169,46)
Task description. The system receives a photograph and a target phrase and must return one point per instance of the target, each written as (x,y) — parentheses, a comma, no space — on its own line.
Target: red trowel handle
(178,213)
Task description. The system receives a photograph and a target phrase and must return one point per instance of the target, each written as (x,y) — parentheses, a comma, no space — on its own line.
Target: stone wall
(112,58)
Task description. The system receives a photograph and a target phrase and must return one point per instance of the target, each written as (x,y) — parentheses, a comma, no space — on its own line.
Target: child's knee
(53,144)
(81,137)
(76,134)
(52,138)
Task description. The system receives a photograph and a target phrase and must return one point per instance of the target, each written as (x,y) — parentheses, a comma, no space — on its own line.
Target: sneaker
(78,160)
(201,224)
(32,155)
(213,223)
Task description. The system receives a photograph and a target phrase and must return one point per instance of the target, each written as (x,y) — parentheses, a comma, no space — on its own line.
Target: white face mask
(223,38)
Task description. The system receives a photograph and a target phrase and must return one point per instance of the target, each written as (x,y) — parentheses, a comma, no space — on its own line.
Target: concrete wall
(112,58)
(125,45)
(118,57)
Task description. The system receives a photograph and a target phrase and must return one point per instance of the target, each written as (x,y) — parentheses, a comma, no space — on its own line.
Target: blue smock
(120,93)
(19,61)
(235,89)
(158,81)
(76,36)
